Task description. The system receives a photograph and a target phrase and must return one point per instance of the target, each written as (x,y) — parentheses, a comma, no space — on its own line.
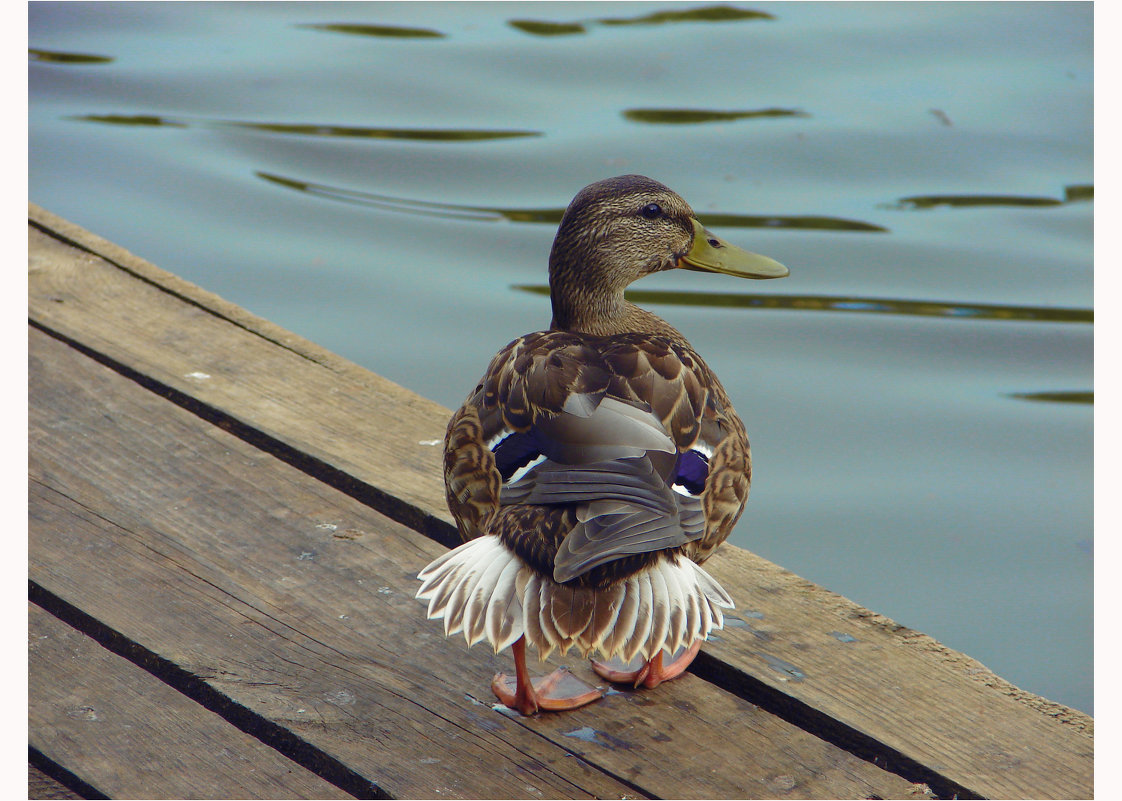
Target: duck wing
(616,435)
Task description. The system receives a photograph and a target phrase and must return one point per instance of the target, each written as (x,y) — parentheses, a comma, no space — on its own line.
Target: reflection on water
(55,57)
(416,134)
(1057,397)
(803,222)
(542,28)
(131,119)
(684,116)
(702,14)
(392,31)
(553,215)
(974,311)
(1072,194)
(314,129)
(405,205)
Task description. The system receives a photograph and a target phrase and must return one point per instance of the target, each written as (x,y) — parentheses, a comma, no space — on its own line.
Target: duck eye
(651,211)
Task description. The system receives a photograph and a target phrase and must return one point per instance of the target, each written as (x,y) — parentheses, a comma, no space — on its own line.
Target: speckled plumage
(597,457)
(533,376)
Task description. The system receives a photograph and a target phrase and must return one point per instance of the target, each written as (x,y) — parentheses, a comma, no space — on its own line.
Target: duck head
(618,230)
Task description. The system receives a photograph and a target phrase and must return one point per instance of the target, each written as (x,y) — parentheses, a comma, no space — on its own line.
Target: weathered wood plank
(894,686)
(42,786)
(132,736)
(255,559)
(204,551)
(901,687)
(253,371)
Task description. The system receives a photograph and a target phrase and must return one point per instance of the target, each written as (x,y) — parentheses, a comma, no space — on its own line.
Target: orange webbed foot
(558,691)
(650,673)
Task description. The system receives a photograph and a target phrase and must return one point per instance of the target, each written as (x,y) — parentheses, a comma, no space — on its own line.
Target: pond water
(386,179)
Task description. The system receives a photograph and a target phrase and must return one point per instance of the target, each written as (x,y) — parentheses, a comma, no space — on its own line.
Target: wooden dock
(225,525)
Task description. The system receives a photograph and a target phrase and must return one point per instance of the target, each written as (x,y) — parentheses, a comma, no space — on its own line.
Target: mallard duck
(596,465)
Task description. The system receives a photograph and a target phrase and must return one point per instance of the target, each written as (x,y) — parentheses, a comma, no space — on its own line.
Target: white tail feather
(505,607)
(532,616)
(644,619)
(483,589)
(676,632)
(625,624)
(660,611)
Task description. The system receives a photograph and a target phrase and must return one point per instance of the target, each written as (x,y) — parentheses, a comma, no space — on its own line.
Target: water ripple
(695,14)
(693,116)
(141,120)
(546,28)
(386,202)
(416,134)
(1072,194)
(385,31)
(1073,396)
(317,129)
(56,57)
(549,215)
(701,14)
(826,303)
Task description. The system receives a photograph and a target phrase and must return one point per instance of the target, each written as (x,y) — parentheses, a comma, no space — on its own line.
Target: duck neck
(604,314)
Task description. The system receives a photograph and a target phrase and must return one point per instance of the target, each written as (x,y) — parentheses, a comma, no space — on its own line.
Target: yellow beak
(712,254)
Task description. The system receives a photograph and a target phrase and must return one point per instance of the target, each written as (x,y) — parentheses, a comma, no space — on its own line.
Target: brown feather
(599,346)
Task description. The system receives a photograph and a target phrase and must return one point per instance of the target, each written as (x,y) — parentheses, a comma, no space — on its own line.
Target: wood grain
(42,786)
(374,431)
(798,647)
(132,736)
(900,687)
(230,580)
(295,601)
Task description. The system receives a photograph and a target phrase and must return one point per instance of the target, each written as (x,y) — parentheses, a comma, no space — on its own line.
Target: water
(386,180)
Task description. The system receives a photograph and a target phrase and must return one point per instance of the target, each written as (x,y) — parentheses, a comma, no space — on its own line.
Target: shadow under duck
(597,464)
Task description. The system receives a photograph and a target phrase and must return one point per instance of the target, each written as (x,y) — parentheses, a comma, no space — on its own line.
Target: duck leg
(653,672)
(558,691)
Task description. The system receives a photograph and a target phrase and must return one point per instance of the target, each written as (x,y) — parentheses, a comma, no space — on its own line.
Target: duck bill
(712,254)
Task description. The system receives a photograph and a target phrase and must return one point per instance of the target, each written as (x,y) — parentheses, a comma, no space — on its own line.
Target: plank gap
(276,737)
(823,726)
(62,775)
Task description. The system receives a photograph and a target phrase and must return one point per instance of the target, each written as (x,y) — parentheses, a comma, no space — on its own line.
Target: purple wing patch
(693,470)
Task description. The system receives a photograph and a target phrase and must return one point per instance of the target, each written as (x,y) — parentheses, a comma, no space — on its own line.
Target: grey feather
(601,538)
(631,480)
(613,423)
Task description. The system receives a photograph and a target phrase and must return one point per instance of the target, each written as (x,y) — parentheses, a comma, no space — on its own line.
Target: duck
(597,464)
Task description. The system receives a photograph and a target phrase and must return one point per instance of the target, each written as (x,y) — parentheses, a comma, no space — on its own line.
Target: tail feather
(484,590)
(505,606)
(644,621)
(660,610)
